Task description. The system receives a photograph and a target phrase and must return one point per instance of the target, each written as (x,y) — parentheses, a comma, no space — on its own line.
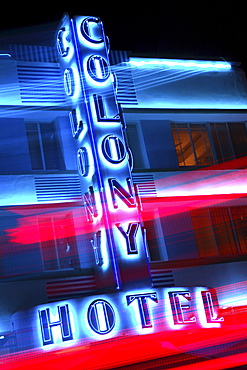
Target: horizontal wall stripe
(145,184)
(57,188)
(126,93)
(162,278)
(70,287)
(41,84)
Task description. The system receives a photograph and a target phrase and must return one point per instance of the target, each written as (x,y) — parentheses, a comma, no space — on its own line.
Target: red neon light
(28,230)
(184,350)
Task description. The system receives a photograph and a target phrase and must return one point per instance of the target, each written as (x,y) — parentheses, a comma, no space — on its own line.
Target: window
(221,141)
(207,232)
(229,140)
(220,230)
(239,219)
(203,145)
(192,144)
(134,143)
(58,244)
(170,235)
(45,153)
(154,234)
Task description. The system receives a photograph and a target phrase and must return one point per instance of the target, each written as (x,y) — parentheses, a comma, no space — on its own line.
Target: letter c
(62,50)
(87,31)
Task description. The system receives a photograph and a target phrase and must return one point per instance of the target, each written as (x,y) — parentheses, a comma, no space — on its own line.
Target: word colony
(97,125)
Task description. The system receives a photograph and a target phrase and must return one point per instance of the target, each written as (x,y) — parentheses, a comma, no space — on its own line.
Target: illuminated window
(202,144)
(45,153)
(58,244)
(192,144)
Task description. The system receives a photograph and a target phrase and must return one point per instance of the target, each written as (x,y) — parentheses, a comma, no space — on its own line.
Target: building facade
(180,127)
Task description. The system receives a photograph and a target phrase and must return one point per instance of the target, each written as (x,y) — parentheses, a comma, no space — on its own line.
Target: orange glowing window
(192,144)
(207,144)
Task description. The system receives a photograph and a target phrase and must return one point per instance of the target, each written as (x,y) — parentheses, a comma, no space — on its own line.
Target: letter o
(69,81)
(101,316)
(113,149)
(82,161)
(98,68)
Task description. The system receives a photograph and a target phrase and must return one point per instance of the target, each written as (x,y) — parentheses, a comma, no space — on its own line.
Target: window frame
(143,152)
(54,222)
(208,126)
(41,146)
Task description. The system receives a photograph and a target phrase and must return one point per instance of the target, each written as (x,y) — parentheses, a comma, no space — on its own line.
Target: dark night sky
(173,29)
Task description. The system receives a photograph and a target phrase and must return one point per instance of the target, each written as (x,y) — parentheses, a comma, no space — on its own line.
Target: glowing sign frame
(89,87)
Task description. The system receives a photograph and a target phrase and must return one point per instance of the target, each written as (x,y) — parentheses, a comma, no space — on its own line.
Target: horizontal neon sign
(137,312)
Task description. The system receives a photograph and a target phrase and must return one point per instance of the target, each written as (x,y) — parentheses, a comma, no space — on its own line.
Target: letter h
(46,325)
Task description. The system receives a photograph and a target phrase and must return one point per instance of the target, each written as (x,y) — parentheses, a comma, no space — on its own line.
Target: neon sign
(136,312)
(111,208)
(63,322)
(96,121)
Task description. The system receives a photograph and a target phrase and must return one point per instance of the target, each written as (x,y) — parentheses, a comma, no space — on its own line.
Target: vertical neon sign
(117,237)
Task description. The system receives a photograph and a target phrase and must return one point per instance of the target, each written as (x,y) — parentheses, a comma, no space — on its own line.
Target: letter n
(118,190)
(89,201)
